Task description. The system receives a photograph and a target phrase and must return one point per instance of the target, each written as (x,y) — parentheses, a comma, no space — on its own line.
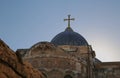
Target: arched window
(45,76)
(67,76)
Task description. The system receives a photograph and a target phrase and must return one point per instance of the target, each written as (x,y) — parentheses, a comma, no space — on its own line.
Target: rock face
(12,66)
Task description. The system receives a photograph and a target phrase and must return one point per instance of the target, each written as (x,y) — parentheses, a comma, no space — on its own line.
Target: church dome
(69,37)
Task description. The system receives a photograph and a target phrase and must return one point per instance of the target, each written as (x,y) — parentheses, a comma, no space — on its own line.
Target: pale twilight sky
(23,23)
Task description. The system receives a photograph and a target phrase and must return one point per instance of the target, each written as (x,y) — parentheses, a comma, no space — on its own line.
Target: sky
(24,23)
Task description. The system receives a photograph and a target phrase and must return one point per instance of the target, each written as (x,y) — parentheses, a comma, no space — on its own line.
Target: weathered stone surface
(12,66)
(107,70)
(57,61)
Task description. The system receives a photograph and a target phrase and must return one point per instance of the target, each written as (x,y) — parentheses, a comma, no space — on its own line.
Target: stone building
(69,55)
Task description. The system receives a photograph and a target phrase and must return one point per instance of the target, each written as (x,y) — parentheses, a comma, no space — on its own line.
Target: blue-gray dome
(69,37)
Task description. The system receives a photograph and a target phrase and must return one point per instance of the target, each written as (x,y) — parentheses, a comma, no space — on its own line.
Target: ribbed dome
(69,37)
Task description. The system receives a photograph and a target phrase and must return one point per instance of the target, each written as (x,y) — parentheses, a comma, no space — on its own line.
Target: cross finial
(69,20)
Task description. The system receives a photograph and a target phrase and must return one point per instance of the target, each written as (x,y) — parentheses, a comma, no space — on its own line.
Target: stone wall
(108,70)
(59,61)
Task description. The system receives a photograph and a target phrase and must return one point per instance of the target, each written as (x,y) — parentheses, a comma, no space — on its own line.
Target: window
(68,76)
(45,76)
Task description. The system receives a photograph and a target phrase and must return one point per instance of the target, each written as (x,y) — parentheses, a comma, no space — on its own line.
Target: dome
(69,37)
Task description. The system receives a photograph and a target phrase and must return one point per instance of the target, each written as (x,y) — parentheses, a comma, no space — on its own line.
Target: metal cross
(69,20)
